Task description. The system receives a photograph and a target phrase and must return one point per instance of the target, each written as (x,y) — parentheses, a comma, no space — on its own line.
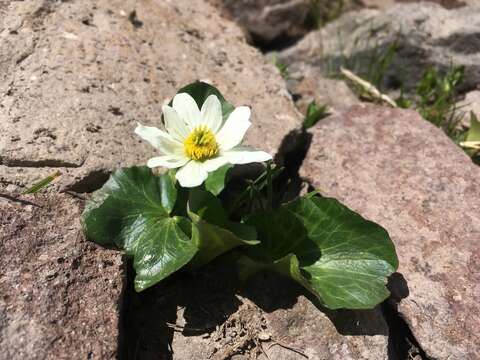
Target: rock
(448,4)
(267,20)
(426,34)
(77,76)
(470,103)
(210,316)
(378,4)
(278,23)
(303,329)
(472,3)
(307,85)
(402,172)
(59,295)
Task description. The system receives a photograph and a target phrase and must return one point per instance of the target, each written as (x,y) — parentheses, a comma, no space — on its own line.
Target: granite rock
(400,171)
(60,296)
(425,34)
(76,76)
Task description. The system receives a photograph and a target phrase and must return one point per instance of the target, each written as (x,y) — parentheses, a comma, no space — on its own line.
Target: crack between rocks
(402,344)
(122,341)
(54,163)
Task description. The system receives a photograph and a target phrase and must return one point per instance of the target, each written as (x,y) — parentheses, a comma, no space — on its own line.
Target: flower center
(201,144)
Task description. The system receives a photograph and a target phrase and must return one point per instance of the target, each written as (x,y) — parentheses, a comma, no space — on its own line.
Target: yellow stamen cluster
(201,144)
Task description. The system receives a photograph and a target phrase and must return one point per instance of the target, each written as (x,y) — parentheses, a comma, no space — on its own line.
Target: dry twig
(368,87)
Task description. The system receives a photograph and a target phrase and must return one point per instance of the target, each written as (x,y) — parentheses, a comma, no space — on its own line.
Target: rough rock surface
(76,76)
(306,328)
(207,316)
(267,20)
(427,35)
(403,173)
(59,295)
(307,85)
(448,4)
(470,103)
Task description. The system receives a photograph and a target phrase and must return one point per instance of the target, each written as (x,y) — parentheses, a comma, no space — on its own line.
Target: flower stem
(269,185)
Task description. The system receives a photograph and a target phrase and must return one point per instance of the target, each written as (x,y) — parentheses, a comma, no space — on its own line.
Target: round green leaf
(200,91)
(342,258)
(131,211)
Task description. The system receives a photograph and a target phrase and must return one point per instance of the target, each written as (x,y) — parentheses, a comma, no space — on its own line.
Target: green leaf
(217,234)
(207,207)
(282,67)
(213,241)
(287,265)
(215,182)
(168,190)
(160,247)
(131,211)
(474,131)
(332,251)
(42,183)
(314,114)
(200,91)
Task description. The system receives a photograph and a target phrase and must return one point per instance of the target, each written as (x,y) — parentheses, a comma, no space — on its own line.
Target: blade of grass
(42,183)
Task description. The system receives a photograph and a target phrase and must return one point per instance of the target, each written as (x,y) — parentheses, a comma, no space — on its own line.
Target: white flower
(197,141)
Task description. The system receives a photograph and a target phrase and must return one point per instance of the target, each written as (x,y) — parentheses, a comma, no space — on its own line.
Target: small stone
(264,336)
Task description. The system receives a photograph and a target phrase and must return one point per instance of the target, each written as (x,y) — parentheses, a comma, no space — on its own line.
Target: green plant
(434,97)
(314,114)
(366,55)
(321,12)
(340,257)
(471,143)
(437,99)
(281,66)
(379,62)
(41,184)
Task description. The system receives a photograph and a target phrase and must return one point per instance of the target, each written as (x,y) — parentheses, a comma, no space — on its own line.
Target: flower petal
(187,109)
(242,155)
(215,163)
(191,175)
(174,125)
(234,129)
(159,139)
(168,161)
(212,113)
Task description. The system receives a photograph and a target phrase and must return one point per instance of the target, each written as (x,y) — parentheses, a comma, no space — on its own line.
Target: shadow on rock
(401,342)
(192,304)
(271,292)
(198,305)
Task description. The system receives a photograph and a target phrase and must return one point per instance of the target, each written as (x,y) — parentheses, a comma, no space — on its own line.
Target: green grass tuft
(314,114)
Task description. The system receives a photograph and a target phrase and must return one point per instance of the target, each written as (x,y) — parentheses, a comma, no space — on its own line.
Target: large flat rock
(59,295)
(76,76)
(400,171)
